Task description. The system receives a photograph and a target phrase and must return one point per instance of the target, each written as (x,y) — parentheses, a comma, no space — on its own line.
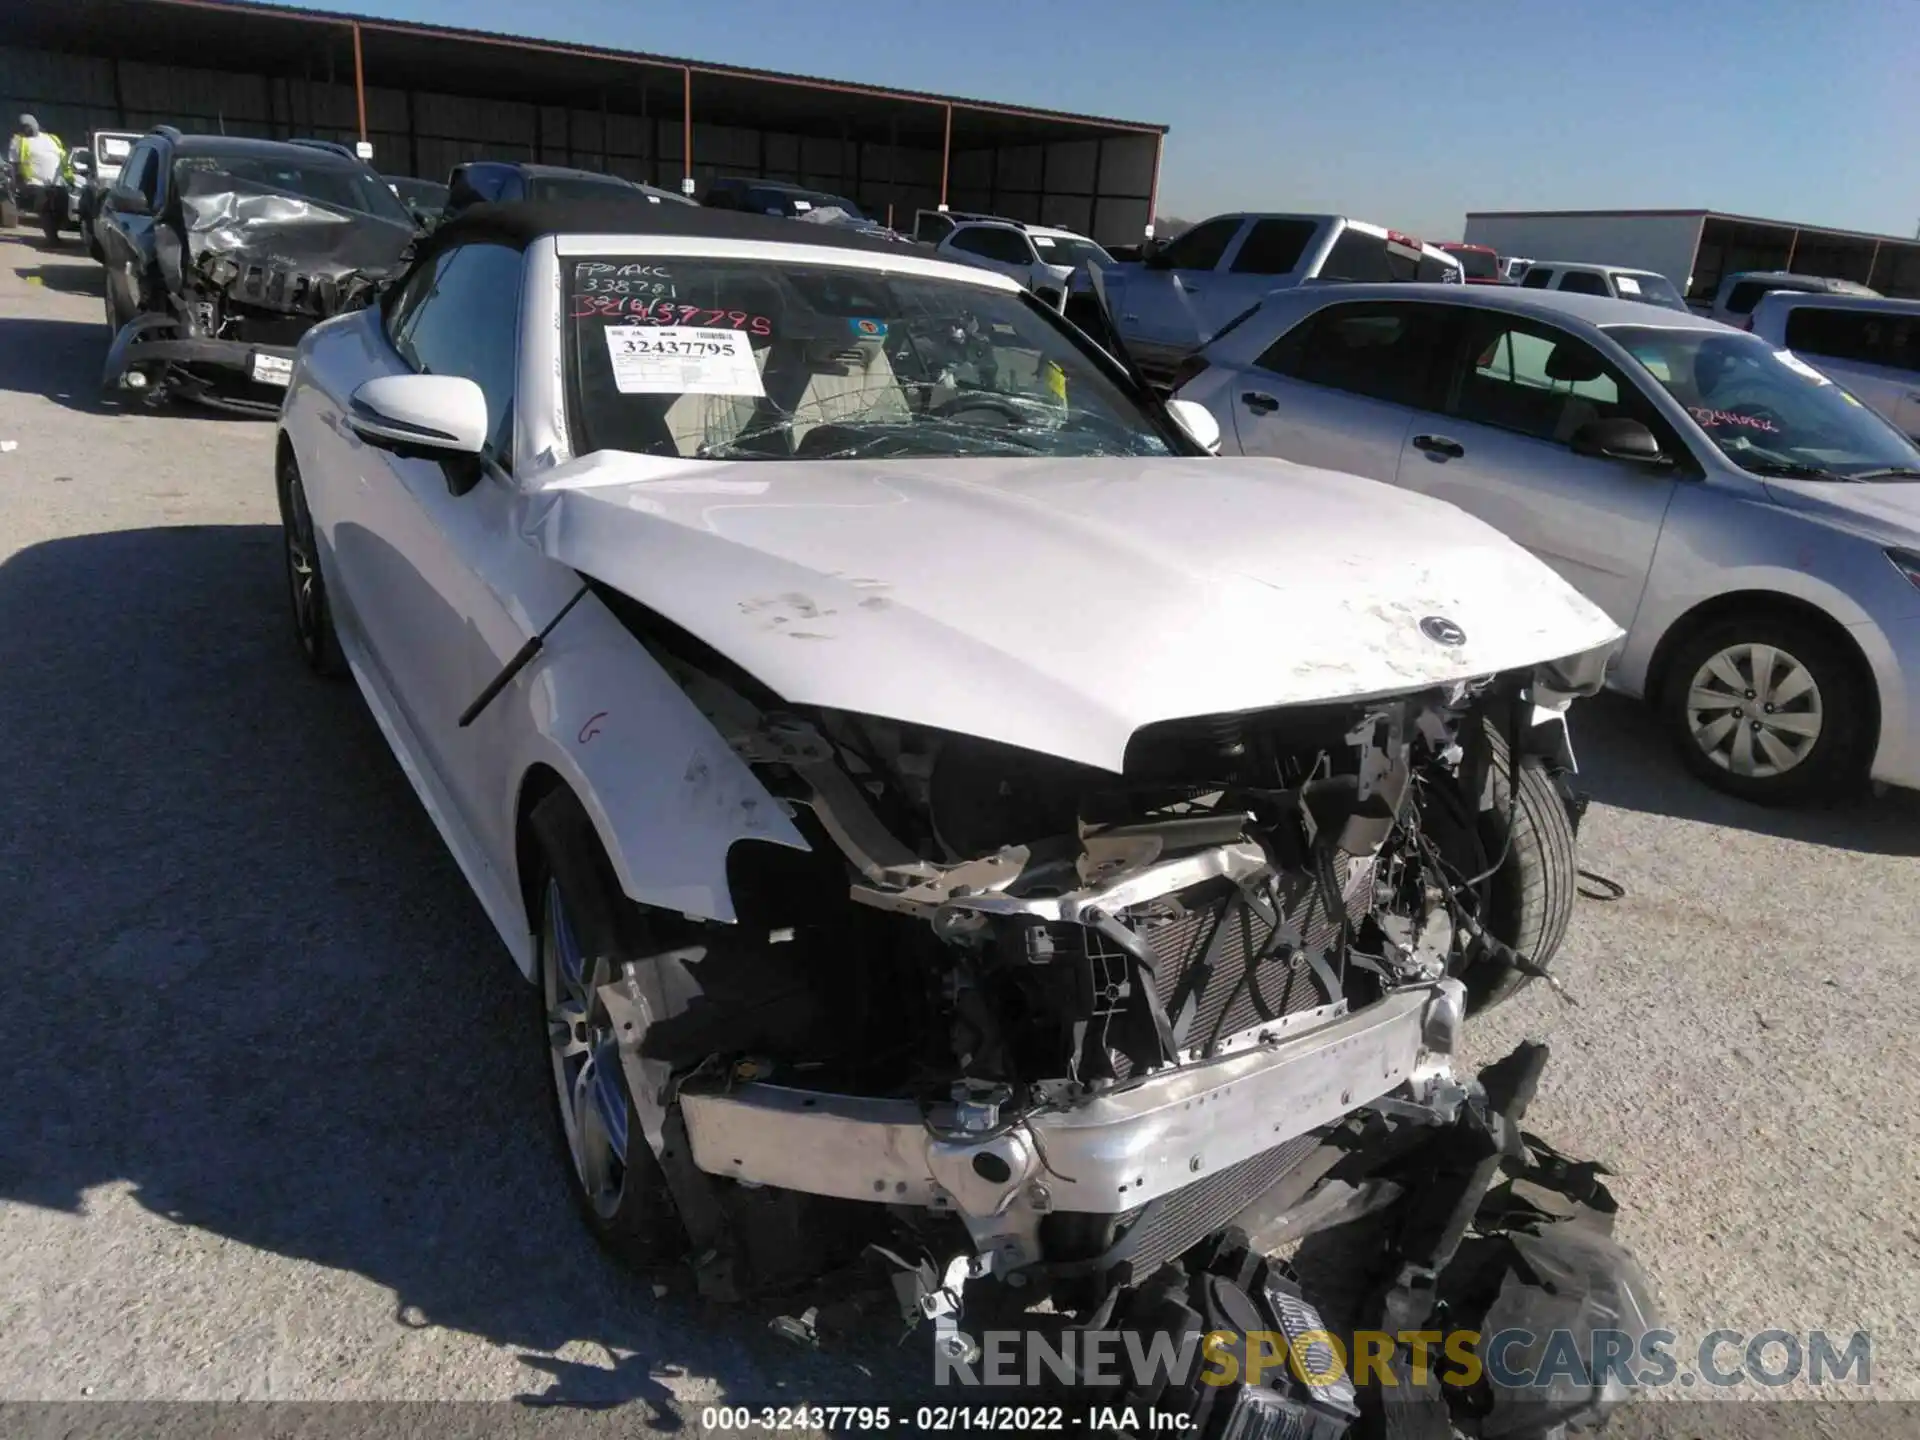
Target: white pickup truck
(1186,291)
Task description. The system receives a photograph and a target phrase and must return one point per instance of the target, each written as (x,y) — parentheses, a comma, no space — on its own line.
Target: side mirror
(1197,421)
(1618,439)
(128,200)
(424,417)
(1153,254)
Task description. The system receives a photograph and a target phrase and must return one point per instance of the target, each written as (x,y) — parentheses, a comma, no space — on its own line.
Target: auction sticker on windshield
(679,359)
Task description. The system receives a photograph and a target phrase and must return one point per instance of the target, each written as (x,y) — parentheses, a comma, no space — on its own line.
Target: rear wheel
(1767,707)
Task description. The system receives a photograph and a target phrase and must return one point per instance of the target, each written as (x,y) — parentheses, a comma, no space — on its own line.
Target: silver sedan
(1753,526)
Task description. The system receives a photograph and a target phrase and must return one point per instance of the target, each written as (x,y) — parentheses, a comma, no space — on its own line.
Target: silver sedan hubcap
(586,1060)
(1754,710)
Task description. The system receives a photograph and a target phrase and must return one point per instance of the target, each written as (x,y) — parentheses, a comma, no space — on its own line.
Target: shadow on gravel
(69,278)
(247,981)
(59,359)
(1625,762)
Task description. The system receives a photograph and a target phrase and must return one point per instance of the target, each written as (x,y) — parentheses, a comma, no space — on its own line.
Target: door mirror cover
(129,201)
(1618,439)
(432,417)
(1197,421)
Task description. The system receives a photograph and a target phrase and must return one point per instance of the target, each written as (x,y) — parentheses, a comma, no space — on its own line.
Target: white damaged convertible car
(933,795)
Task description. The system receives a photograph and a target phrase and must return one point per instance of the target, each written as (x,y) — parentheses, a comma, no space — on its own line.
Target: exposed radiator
(1231,999)
(1168,1226)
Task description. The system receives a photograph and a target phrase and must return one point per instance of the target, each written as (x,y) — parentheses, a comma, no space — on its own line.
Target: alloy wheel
(303,579)
(1754,710)
(586,1060)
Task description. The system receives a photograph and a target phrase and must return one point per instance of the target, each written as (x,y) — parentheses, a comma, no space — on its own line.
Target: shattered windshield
(339,186)
(1769,411)
(750,360)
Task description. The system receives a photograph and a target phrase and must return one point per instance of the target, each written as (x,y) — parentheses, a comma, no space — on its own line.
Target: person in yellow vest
(39,173)
(38,158)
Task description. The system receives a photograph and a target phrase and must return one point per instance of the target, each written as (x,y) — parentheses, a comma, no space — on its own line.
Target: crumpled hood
(271,248)
(1886,510)
(1059,605)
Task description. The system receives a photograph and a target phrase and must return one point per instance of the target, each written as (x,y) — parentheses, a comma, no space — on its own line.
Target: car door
(1156,304)
(110,224)
(415,563)
(126,238)
(1513,392)
(1341,388)
(1265,256)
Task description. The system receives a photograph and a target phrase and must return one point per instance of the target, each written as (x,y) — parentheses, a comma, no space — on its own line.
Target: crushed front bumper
(1107,1155)
(132,351)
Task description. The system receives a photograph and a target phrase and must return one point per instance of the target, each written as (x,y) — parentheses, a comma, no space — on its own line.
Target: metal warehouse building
(1694,248)
(428,98)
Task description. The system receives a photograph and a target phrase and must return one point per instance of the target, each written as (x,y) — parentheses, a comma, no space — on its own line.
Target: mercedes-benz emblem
(1442,631)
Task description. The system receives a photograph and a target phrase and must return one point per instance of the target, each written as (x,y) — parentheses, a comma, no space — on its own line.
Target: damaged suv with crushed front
(938,804)
(220,252)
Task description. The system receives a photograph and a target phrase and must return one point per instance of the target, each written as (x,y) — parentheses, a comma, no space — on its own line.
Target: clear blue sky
(1406,114)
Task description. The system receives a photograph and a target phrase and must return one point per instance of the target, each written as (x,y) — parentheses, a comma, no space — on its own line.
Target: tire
(117,313)
(1527,903)
(306,590)
(1801,711)
(93,245)
(1530,897)
(611,1172)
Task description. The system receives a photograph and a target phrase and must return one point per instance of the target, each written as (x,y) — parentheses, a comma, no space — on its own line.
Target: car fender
(1716,542)
(666,794)
(1665,606)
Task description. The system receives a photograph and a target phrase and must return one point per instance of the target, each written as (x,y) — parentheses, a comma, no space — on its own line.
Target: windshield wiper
(1791,470)
(1889,472)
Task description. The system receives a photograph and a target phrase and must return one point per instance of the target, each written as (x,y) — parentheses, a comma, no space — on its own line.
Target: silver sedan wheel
(1754,710)
(586,1060)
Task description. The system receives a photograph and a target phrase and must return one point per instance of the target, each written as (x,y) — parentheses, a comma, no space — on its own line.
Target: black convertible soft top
(518,224)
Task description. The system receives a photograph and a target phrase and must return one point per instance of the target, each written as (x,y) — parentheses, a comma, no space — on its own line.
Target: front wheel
(1526,903)
(306,590)
(1767,708)
(615,1180)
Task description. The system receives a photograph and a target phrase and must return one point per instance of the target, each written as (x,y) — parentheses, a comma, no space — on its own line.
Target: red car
(1482,265)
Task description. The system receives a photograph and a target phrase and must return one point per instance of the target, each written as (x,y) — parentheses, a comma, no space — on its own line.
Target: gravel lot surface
(271,1111)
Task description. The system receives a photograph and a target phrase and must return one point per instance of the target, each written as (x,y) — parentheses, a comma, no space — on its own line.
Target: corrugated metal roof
(699,67)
